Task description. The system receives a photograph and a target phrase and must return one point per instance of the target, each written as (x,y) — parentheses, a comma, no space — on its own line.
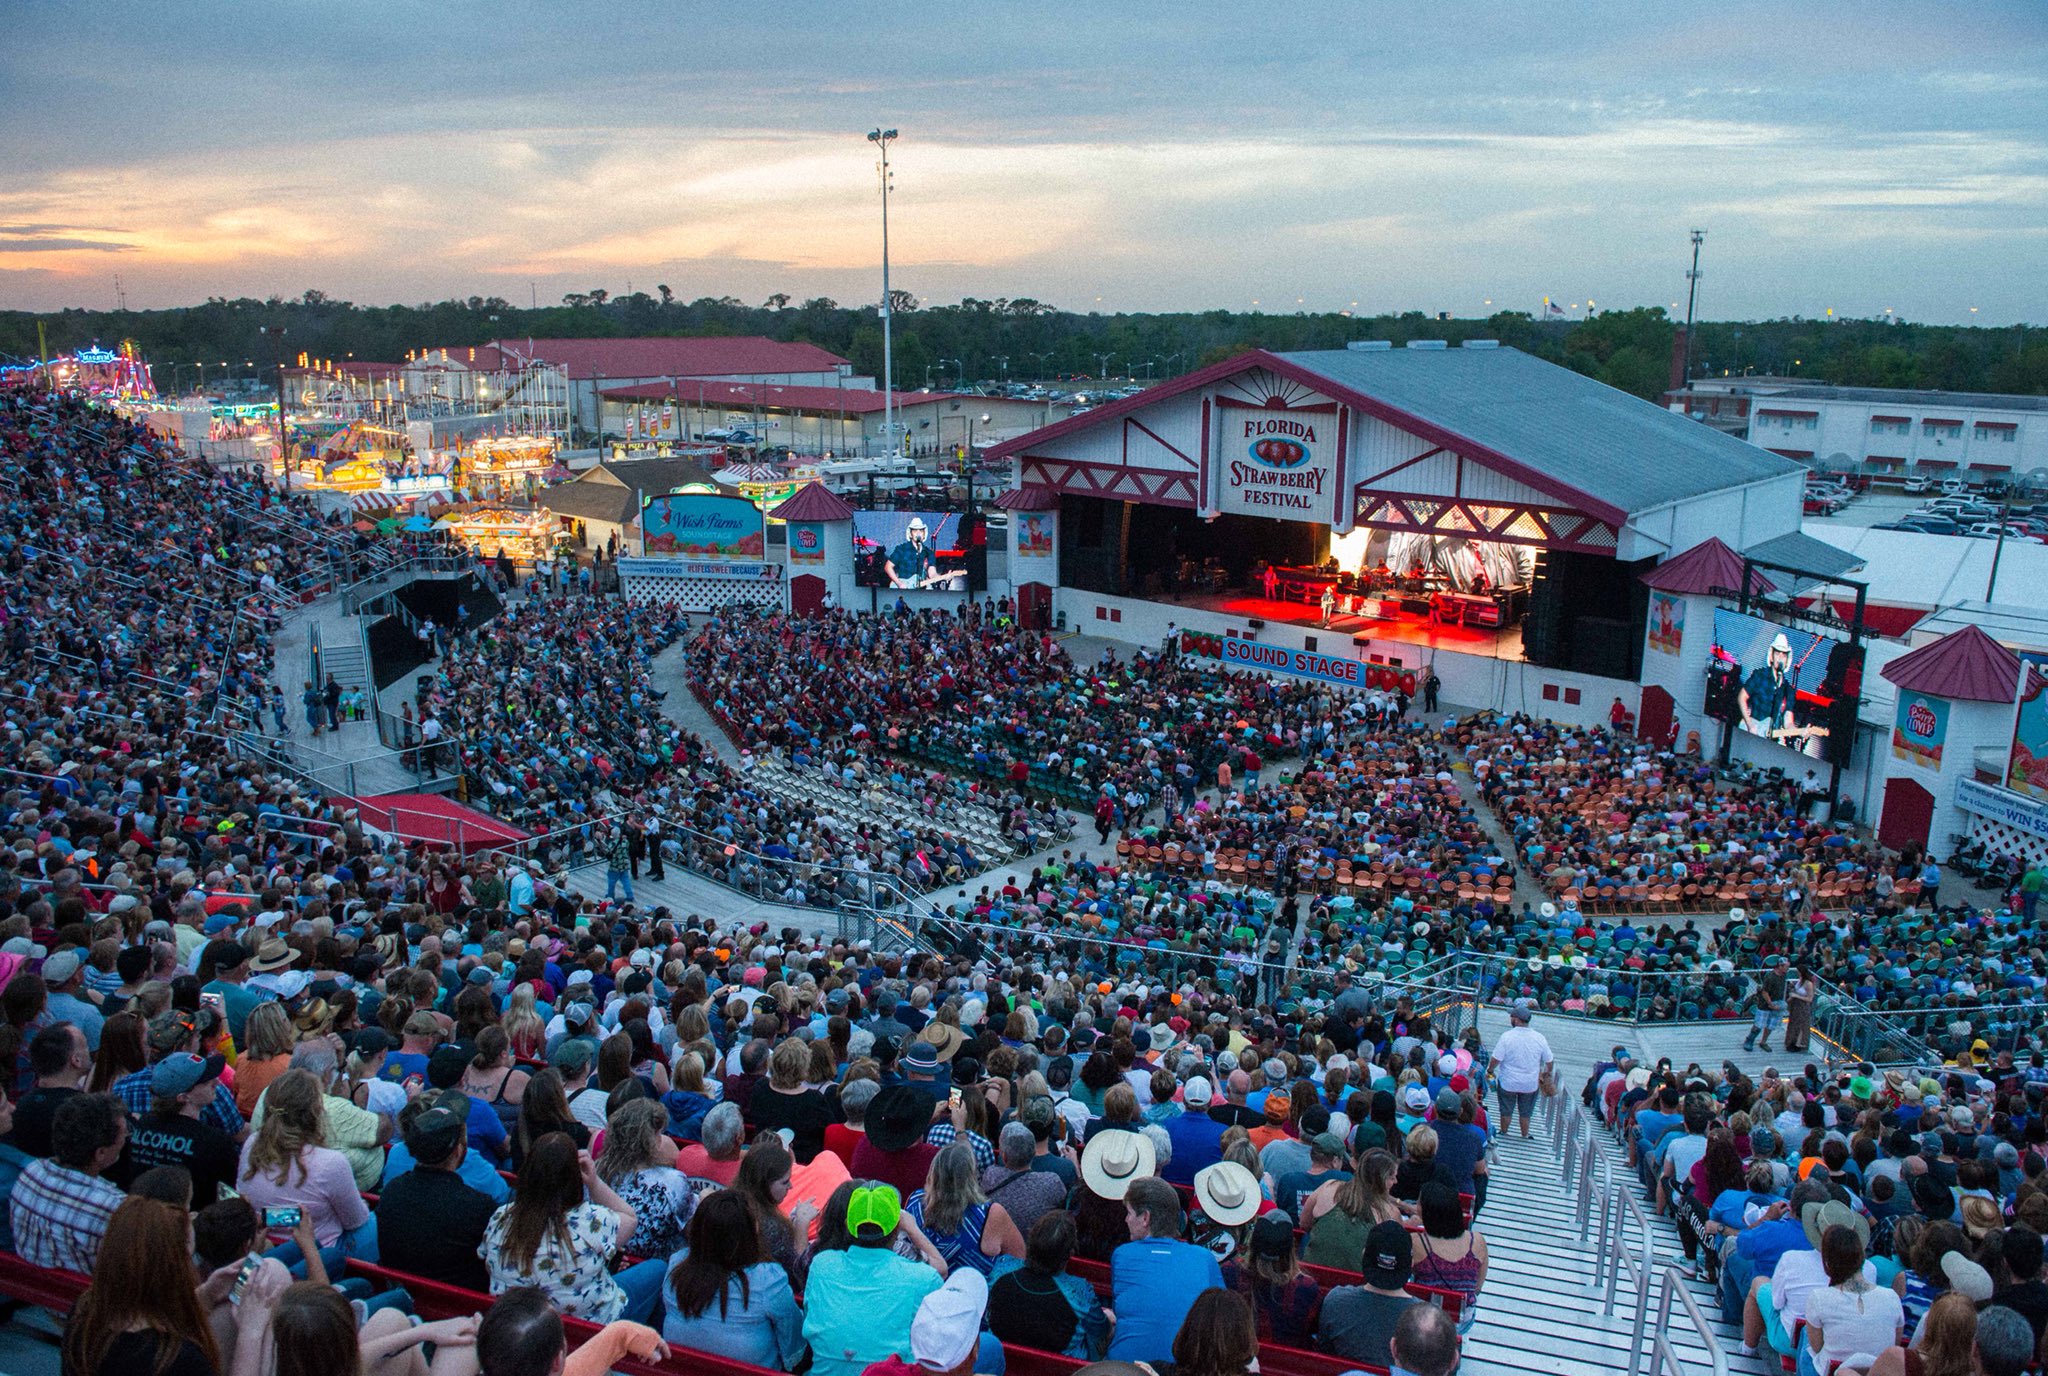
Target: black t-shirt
(2028,1299)
(175,1140)
(133,1352)
(1357,1324)
(1031,1310)
(1236,1116)
(430,1223)
(807,1115)
(1057,1166)
(32,1119)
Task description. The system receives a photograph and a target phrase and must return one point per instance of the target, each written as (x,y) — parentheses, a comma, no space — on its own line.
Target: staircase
(1561,1297)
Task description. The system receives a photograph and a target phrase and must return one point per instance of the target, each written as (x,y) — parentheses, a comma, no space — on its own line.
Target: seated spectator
(946,1337)
(639,1163)
(784,1100)
(844,1138)
(1852,1316)
(13,1161)
(61,1203)
(1325,1166)
(430,1222)
(1197,1138)
(1037,1303)
(951,1210)
(2004,1342)
(60,1061)
(474,1170)
(288,1164)
(1218,1337)
(143,1312)
(859,1303)
(1340,1215)
(1155,1277)
(726,1297)
(544,1109)
(561,1230)
(766,1173)
(1449,1254)
(1026,1193)
(895,1151)
(1944,1345)
(266,1053)
(1268,1274)
(716,1155)
(315,1332)
(522,1335)
(1357,1321)
(174,1134)
(1425,1342)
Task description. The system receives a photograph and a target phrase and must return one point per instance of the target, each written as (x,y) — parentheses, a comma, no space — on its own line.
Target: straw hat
(1113,1159)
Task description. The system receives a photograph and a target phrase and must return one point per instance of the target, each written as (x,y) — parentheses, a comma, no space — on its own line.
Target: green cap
(873,1206)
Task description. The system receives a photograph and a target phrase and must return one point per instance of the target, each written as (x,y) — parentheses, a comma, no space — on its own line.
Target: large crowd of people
(266,1068)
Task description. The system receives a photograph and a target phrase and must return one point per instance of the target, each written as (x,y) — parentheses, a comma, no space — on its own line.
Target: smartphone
(243,1277)
(954,1097)
(217,1002)
(287,1217)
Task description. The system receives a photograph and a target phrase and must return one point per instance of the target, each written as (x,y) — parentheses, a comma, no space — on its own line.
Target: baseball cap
(445,1066)
(435,1134)
(1448,1101)
(1415,1098)
(947,1328)
(1273,1235)
(1328,1144)
(1198,1093)
(61,966)
(1388,1258)
(182,1070)
(171,1029)
(371,1041)
(876,1207)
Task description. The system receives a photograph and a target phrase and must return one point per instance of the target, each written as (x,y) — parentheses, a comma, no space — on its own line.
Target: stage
(1406,629)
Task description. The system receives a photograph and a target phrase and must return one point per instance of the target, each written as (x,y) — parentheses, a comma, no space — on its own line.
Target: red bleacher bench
(40,1285)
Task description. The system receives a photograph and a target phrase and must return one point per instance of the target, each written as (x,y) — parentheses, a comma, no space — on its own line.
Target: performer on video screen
(1768,701)
(912,563)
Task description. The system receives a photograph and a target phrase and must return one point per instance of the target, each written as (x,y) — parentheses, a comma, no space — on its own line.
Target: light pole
(1102,365)
(882,138)
(284,456)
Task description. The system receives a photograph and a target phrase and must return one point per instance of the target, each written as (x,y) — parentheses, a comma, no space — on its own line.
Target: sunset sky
(1857,157)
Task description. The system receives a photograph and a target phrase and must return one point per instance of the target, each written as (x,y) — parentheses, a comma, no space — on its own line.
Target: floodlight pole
(882,138)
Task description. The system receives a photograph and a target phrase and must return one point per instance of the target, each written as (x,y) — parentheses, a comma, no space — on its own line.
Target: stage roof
(1622,452)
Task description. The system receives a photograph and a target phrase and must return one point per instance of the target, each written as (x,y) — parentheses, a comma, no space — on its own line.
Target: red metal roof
(1703,568)
(1030,497)
(812,502)
(845,401)
(1965,665)
(434,819)
(714,357)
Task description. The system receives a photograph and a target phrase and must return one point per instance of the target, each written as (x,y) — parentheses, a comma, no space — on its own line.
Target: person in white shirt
(1519,1059)
(1852,1315)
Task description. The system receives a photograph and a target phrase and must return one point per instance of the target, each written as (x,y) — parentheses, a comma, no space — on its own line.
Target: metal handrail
(1660,1336)
(1617,1257)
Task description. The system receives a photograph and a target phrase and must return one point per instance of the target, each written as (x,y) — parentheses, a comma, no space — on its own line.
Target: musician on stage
(1270,580)
(1767,694)
(911,563)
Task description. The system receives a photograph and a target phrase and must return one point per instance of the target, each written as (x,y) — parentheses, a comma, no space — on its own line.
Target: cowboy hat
(1112,1160)
(1816,1219)
(1227,1192)
(1780,645)
(273,955)
(898,1117)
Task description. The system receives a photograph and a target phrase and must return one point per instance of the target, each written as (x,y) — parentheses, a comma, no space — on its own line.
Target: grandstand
(1301,912)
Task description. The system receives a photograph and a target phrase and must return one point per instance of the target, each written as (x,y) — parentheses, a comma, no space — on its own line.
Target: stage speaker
(1541,632)
(1600,646)
(1360,642)
(1255,623)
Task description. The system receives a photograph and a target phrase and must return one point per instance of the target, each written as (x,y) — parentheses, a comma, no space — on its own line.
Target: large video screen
(909,549)
(1792,687)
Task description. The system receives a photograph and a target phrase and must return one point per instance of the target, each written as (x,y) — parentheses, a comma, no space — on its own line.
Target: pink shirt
(328,1192)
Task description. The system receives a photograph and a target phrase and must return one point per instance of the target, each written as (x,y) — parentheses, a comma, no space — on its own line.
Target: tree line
(1028,340)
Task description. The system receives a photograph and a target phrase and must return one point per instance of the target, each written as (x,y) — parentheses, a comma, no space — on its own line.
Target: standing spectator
(1155,1277)
(1520,1063)
(330,701)
(618,862)
(1357,1321)
(61,1204)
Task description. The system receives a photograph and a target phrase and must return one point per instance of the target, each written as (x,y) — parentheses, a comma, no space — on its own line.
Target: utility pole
(1692,291)
(284,453)
(882,138)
